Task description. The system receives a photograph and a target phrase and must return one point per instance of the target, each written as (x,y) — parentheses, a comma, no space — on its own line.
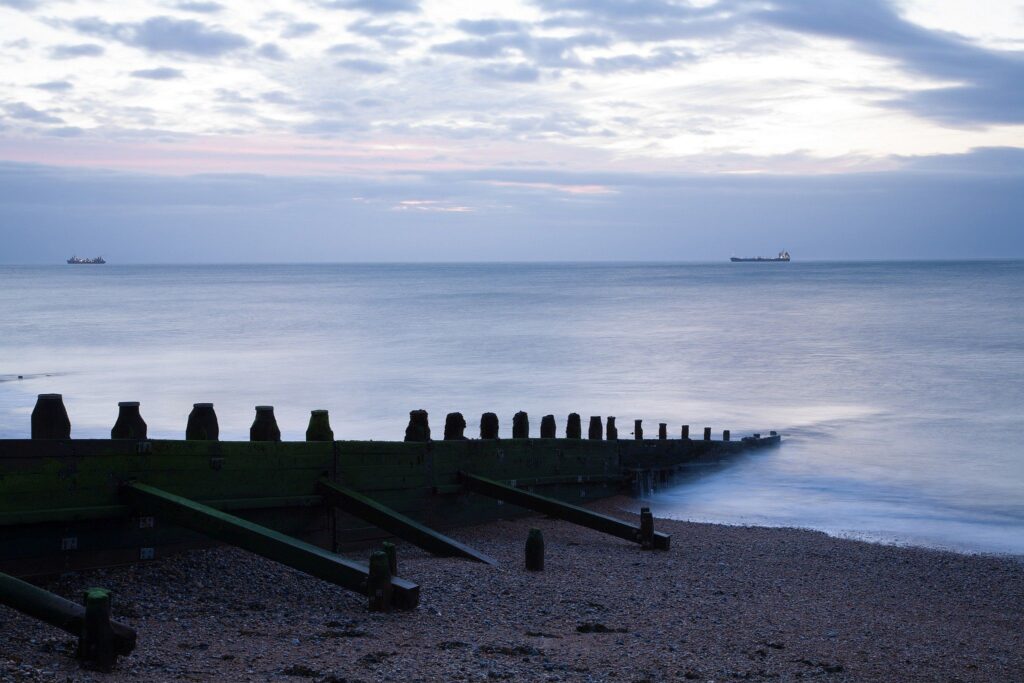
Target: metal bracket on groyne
(560,510)
(398,524)
(100,640)
(262,541)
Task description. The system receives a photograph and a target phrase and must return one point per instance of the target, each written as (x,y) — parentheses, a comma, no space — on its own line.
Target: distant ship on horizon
(74,260)
(783,257)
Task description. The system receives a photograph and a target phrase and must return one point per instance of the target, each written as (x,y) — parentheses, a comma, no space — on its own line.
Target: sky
(449,130)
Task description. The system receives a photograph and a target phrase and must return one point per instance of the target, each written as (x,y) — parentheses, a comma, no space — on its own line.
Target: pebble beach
(725,603)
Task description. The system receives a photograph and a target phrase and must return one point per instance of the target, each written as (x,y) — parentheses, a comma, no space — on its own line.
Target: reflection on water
(897,386)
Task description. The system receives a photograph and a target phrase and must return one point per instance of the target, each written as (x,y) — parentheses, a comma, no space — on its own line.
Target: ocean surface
(898,387)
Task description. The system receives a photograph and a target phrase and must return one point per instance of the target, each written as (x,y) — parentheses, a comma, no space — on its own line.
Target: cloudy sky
(269,130)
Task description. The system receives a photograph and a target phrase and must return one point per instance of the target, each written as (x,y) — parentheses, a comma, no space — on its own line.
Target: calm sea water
(899,387)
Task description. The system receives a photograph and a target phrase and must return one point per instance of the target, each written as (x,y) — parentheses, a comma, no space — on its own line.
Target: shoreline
(726,602)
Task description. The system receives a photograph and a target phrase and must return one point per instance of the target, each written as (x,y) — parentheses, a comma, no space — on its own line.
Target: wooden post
(202,423)
(454,427)
(419,426)
(520,426)
(264,427)
(638,430)
(96,644)
(535,551)
(707,433)
(50,418)
(547,427)
(573,427)
(392,552)
(378,585)
(611,431)
(662,431)
(129,424)
(488,426)
(725,435)
(61,613)
(646,529)
(319,428)
(595,431)
(685,432)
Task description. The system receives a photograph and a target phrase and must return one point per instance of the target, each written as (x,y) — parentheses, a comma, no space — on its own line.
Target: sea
(898,387)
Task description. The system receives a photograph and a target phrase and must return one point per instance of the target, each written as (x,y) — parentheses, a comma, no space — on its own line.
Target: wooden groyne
(69,504)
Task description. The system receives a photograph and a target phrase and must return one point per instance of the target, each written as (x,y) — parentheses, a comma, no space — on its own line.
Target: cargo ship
(74,260)
(783,257)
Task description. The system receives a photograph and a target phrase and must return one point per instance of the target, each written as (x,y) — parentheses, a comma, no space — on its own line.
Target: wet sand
(726,603)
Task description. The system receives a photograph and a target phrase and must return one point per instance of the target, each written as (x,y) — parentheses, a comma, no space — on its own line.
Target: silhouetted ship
(74,260)
(783,257)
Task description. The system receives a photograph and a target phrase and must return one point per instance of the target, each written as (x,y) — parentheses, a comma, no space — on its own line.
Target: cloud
(488,27)
(994,161)
(343,49)
(66,132)
(509,73)
(543,51)
(533,214)
(55,86)
(22,111)
(987,82)
(272,51)
(990,88)
(200,7)
(364,66)
(660,59)
(391,35)
(278,97)
(74,51)
(23,5)
(163,73)
(166,34)
(374,6)
(299,29)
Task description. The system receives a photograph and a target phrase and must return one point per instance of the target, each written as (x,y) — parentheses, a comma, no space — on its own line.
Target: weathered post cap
(319,428)
(49,418)
(129,423)
(264,427)
(521,425)
(202,423)
(573,427)
(419,426)
(547,427)
(489,426)
(454,427)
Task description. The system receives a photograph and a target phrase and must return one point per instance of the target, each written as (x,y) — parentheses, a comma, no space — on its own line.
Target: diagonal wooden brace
(556,508)
(271,544)
(396,523)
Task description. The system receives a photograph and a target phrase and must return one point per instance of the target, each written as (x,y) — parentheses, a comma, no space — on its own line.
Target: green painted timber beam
(54,610)
(396,523)
(560,510)
(323,564)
